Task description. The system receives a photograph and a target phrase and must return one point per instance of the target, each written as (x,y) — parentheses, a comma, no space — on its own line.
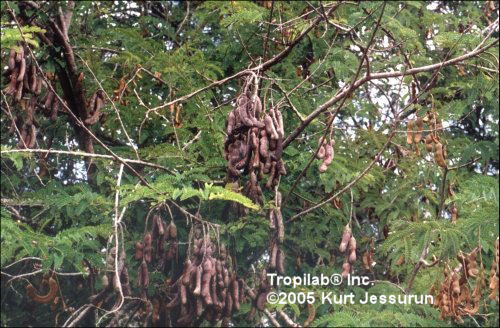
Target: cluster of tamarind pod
(254,142)
(431,140)
(23,80)
(121,268)
(348,243)
(259,297)
(454,296)
(277,256)
(325,153)
(153,247)
(494,274)
(208,287)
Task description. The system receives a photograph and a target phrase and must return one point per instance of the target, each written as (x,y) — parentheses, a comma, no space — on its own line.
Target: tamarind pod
(352,256)
(43,299)
(32,140)
(428,143)
(264,147)
(173,230)
(346,237)
(26,82)
(93,118)
(236,295)
(272,145)
(438,155)
(11,87)
(231,122)
(54,110)
(272,259)
(271,175)
(225,275)
(244,153)
(254,139)
(104,281)
(281,167)
(420,127)
(12,59)
(256,157)
(39,83)
(20,54)
(19,91)
(271,218)
(327,160)
(257,105)
(409,132)
(50,98)
(242,111)
(277,199)
(280,128)
(172,250)
(346,268)
(145,274)
(33,79)
(270,129)
(188,268)
(278,149)
(99,103)
(280,259)
(321,152)
(280,228)
(229,304)
(205,288)
(138,250)
(352,243)
(261,300)
(22,70)
(197,290)
(183,293)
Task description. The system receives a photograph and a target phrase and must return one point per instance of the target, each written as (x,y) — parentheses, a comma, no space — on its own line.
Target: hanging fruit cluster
(431,140)
(254,142)
(348,243)
(23,82)
(153,247)
(494,274)
(208,285)
(122,270)
(325,153)
(277,257)
(454,296)
(259,299)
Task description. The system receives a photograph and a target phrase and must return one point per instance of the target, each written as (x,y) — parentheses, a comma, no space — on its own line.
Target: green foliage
(59,207)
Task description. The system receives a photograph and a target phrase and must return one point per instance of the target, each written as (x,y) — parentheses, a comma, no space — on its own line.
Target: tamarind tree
(159,158)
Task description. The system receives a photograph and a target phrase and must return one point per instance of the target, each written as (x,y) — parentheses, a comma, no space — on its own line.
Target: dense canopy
(163,162)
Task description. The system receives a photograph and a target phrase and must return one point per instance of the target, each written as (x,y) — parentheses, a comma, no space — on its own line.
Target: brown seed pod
(33,79)
(270,128)
(280,262)
(199,272)
(12,59)
(257,106)
(409,132)
(439,157)
(280,228)
(269,183)
(231,122)
(20,54)
(261,300)
(328,158)
(19,91)
(145,274)
(39,84)
(173,230)
(429,143)
(43,299)
(346,268)
(147,247)
(420,127)
(321,152)
(139,246)
(274,252)
(236,295)
(11,87)
(22,70)
(454,214)
(346,237)
(32,140)
(49,99)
